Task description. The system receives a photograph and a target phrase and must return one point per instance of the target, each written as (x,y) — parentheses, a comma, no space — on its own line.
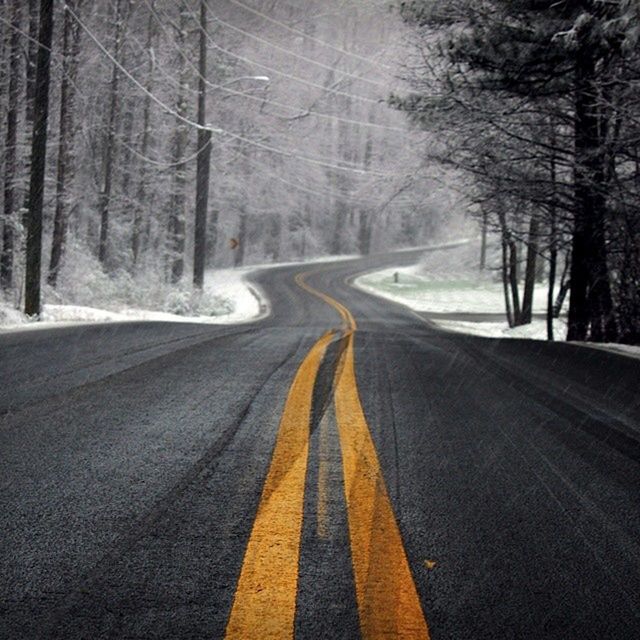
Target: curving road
(339,469)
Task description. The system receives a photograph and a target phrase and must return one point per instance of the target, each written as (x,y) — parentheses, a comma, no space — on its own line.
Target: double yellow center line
(264,604)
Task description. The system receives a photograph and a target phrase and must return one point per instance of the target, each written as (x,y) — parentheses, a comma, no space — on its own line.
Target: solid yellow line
(388,602)
(322,527)
(345,314)
(265,599)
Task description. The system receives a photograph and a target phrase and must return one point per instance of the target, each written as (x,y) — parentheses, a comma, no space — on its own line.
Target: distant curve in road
(340,469)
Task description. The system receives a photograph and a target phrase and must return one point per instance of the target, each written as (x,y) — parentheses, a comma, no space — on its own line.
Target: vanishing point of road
(338,469)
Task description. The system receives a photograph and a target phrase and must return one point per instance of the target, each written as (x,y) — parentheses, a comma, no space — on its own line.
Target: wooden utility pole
(38,156)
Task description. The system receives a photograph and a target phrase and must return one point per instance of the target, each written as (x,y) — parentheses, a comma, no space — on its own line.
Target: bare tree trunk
(509,270)
(126,164)
(505,282)
(66,156)
(38,157)
(10,152)
(140,207)
(364,232)
(30,75)
(553,241)
(591,307)
(530,271)
(483,242)
(177,204)
(204,160)
(110,151)
(565,285)
(238,258)
(513,281)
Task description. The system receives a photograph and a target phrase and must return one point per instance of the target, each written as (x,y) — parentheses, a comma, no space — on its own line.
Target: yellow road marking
(265,600)
(388,602)
(323,478)
(348,320)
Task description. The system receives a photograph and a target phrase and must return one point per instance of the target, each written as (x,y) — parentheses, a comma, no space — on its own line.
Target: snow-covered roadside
(457,293)
(439,292)
(228,299)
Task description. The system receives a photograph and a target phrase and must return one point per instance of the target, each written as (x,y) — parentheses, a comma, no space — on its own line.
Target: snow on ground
(456,292)
(448,283)
(228,298)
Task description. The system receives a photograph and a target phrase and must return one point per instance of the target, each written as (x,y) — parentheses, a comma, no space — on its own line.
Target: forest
(183,136)
(147,141)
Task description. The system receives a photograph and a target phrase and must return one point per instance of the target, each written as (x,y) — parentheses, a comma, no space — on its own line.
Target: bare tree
(10,151)
(66,149)
(38,157)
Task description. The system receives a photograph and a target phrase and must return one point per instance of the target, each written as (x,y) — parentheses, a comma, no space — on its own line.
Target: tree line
(119,149)
(540,103)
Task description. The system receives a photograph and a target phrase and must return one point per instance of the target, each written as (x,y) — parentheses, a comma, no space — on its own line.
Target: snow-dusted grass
(227,298)
(442,293)
(449,282)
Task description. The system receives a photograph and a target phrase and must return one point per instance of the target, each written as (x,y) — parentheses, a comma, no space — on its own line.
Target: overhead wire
(301,112)
(306,35)
(217,130)
(277,47)
(309,83)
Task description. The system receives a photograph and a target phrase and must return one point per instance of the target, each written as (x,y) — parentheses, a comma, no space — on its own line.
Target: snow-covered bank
(447,284)
(457,293)
(228,298)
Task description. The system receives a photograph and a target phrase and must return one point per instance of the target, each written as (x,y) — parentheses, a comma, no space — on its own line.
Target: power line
(346,74)
(306,35)
(315,85)
(140,86)
(217,130)
(302,112)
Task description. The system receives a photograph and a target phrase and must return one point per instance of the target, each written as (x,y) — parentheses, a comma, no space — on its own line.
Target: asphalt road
(190,481)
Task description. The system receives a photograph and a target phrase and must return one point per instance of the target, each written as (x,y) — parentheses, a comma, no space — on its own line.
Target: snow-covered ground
(227,298)
(458,292)
(448,286)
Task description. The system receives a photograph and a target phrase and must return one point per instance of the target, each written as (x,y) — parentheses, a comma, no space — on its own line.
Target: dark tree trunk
(590,302)
(530,271)
(66,157)
(110,151)
(339,229)
(506,271)
(10,152)
(177,204)
(483,242)
(364,233)
(505,282)
(204,160)
(30,89)
(565,285)
(238,258)
(140,205)
(126,164)
(38,157)
(513,281)
(553,241)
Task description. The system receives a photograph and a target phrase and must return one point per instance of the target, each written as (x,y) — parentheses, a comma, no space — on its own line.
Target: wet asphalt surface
(132,458)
